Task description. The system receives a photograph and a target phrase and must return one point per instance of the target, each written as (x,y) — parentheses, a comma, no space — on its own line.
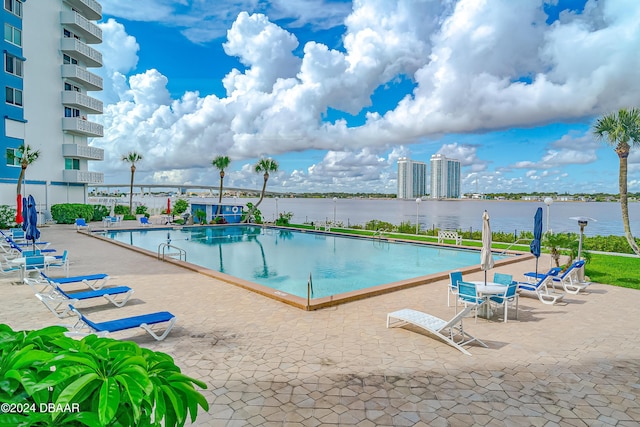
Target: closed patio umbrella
(32,233)
(25,216)
(537,236)
(19,209)
(486,257)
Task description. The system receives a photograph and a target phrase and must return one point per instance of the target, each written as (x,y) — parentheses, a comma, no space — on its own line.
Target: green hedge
(7,217)
(67,213)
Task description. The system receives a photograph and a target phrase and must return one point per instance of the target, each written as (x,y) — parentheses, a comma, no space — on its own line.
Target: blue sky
(336,91)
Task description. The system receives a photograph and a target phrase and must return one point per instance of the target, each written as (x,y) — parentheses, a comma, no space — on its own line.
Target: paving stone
(269,364)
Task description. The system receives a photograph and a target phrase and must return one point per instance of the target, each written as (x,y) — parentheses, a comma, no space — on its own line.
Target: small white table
(487,290)
(22,263)
(23,260)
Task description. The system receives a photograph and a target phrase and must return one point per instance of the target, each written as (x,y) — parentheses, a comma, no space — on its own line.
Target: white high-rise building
(412,178)
(56,52)
(445,177)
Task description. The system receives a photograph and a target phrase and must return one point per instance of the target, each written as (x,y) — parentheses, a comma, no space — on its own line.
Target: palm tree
(265,166)
(622,131)
(133,158)
(220,163)
(26,156)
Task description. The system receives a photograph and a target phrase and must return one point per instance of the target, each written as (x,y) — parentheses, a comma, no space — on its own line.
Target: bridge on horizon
(180,188)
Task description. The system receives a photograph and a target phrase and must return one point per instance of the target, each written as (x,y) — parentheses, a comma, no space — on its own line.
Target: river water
(463,214)
(506,216)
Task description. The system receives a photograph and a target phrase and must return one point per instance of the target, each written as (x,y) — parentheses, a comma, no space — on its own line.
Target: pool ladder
(179,252)
(517,242)
(309,291)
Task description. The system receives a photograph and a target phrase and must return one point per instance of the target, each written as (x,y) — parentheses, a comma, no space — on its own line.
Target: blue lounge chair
(569,279)
(81,224)
(541,290)
(58,301)
(9,269)
(93,281)
(144,321)
(144,221)
(531,276)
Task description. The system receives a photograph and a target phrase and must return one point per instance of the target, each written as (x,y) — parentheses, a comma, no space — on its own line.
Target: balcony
(79,100)
(82,177)
(91,9)
(81,51)
(80,75)
(80,25)
(82,152)
(82,127)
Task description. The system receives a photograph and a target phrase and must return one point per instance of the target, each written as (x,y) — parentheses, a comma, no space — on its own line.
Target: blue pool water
(283,259)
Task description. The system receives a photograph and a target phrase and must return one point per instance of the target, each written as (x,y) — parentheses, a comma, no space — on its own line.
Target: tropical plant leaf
(177,404)
(192,397)
(109,400)
(133,394)
(89,419)
(76,358)
(179,377)
(69,393)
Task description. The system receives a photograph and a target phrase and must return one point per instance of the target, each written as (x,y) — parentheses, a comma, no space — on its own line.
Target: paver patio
(266,363)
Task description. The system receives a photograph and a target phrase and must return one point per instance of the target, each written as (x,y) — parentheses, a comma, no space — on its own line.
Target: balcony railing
(80,75)
(90,56)
(81,26)
(82,177)
(91,9)
(80,100)
(81,126)
(80,151)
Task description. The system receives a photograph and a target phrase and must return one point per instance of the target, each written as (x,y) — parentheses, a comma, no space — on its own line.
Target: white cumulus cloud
(477,66)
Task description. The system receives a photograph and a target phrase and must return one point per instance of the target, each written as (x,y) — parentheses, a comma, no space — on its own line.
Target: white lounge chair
(541,290)
(446,331)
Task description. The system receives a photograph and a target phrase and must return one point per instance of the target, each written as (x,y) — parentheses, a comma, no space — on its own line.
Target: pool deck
(268,363)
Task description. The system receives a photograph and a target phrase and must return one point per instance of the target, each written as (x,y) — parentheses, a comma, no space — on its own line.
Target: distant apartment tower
(445,177)
(48,52)
(412,178)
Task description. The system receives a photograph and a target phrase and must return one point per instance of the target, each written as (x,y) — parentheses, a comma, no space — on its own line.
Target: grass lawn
(614,270)
(608,269)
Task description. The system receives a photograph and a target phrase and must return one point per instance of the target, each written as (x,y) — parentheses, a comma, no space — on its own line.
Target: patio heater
(582,223)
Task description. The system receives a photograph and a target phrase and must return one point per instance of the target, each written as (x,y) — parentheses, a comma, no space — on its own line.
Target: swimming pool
(284,259)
